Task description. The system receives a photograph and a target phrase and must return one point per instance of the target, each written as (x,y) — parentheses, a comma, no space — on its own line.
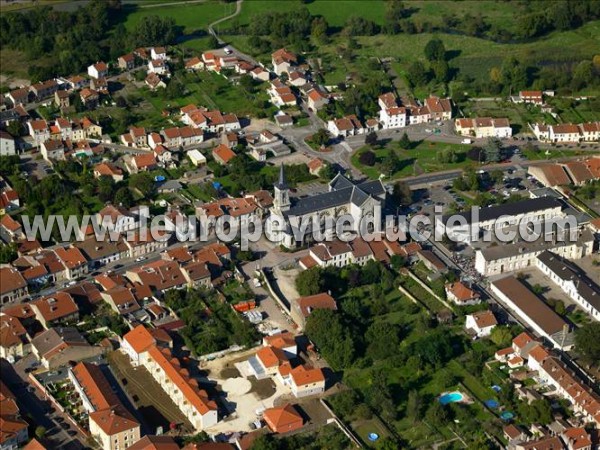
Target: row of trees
(73,40)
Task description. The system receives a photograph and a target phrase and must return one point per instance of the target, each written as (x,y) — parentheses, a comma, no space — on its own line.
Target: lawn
(422,158)
(475,56)
(192,17)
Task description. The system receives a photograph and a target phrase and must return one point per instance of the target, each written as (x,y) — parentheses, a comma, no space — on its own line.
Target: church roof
(343,191)
(281,183)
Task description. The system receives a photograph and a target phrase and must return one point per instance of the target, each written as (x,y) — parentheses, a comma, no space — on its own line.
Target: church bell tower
(281,200)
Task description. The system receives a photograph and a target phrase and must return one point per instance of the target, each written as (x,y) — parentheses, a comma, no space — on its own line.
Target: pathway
(211,29)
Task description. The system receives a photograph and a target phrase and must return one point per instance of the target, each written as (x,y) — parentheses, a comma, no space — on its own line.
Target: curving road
(211,29)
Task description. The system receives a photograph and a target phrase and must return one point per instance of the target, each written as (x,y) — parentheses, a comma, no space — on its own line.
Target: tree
(143,182)
(321,137)
(441,71)
(401,193)
(15,128)
(8,253)
(496,176)
(390,163)
(382,339)
(417,74)
(367,158)
(333,338)
(265,442)
(435,50)
(371,138)
(501,336)
(587,341)
(309,282)
(493,150)
(212,42)
(123,197)
(319,29)
(583,75)
(40,432)
(404,141)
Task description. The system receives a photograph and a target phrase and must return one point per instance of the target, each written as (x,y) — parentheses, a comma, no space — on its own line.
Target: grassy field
(422,158)
(192,17)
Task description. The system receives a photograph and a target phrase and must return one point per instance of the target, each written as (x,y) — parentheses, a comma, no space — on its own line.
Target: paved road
(211,29)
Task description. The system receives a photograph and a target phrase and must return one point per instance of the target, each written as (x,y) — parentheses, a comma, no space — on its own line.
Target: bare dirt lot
(156,407)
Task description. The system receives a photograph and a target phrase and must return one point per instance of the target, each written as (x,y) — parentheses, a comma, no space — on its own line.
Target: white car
(141,258)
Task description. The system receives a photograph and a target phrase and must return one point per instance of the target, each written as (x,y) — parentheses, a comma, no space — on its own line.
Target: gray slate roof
(343,191)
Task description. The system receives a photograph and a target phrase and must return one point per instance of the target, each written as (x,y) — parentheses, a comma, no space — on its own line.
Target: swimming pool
(451,397)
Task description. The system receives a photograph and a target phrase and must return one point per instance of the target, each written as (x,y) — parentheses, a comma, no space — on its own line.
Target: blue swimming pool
(451,397)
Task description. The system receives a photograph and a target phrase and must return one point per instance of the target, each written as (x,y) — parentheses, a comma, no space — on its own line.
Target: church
(291,222)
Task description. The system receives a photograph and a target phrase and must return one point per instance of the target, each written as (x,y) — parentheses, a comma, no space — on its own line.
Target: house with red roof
(223,154)
(304,306)
(283,60)
(98,70)
(283,419)
(184,390)
(109,421)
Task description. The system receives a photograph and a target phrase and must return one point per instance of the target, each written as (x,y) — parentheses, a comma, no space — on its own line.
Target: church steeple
(281,200)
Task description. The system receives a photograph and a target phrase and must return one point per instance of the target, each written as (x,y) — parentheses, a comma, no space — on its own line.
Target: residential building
(530,308)
(13,429)
(44,90)
(534,97)
(159,276)
(167,371)
(552,372)
(90,98)
(439,108)
(109,421)
(572,280)
(243,211)
(13,287)
(98,70)
(304,306)
(462,295)
(142,162)
(119,219)
(306,381)
(158,53)
(260,74)
(55,309)
(38,130)
(76,265)
(282,61)
(194,64)
(108,169)
(153,81)
(136,137)
(481,323)
(316,98)
(53,149)
(99,253)
(62,99)
(394,117)
(564,132)
(283,419)
(126,62)
(484,127)
(19,96)
(59,346)
(223,154)
(14,341)
(7,144)
(346,126)
(163,442)
(158,66)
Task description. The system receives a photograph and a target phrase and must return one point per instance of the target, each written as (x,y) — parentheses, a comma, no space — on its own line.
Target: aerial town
(326,224)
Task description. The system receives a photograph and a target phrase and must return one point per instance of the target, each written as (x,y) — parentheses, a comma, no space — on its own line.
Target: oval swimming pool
(451,397)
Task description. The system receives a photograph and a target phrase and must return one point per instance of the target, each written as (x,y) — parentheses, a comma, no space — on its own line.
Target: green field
(192,17)
(422,158)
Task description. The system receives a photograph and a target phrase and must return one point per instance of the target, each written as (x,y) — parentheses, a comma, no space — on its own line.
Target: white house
(158,66)
(482,323)
(98,70)
(346,126)
(7,144)
(158,53)
(394,117)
